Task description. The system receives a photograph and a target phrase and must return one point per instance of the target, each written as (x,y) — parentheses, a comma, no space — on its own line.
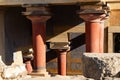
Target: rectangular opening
(116,42)
(114,39)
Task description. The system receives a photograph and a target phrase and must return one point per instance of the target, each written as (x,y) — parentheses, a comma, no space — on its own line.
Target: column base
(40,73)
(45,74)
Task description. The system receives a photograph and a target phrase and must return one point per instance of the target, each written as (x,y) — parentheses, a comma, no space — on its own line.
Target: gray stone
(98,66)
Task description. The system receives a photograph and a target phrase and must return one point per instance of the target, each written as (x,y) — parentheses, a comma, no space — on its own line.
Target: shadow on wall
(63,18)
(18,29)
(17,32)
(77,44)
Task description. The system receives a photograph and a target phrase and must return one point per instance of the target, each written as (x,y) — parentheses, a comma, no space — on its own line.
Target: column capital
(60,46)
(38,18)
(94,12)
(91,17)
(37,12)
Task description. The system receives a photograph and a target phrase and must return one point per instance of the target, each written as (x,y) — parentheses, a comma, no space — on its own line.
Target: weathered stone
(18,60)
(98,66)
(110,78)
(116,78)
(14,72)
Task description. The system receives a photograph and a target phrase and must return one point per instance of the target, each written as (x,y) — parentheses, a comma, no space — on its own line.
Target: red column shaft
(39,33)
(62,63)
(92,37)
(101,43)
(28,66)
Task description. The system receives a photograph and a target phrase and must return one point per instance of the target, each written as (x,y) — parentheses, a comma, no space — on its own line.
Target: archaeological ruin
(45,38)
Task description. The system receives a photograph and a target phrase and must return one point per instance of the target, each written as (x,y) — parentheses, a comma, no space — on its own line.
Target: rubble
(15,71)
(94,66)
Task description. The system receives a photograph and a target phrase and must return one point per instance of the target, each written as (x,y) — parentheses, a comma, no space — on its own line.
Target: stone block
(98,66)
(18,60)
(14,72)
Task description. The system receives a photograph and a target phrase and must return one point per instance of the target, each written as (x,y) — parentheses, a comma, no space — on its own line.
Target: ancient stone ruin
(94,67)
(101,66)
(15,71)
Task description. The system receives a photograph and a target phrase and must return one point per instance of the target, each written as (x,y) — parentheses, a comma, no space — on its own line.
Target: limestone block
(18,60)
(13,72)
(97,65)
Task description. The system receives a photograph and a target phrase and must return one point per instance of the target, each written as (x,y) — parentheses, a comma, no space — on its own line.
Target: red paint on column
(94,32)
(101,43)
(62,63)
(39,35)
(39,44)
(29,67)
(92,36)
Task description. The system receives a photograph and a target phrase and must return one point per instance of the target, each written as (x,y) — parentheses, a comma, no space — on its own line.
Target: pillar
(62,62)
(94,28)
(27,58)
(101,43)
(39,35)
(61,49)
(94,14)
(38,14)
(28,66)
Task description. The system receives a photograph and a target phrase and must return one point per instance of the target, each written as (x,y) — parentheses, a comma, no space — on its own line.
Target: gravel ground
(58,77)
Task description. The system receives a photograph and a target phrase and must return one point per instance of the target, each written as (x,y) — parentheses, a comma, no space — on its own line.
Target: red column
(38,14)
(62,62)
(29,66)
(101,43)
(92,36)
(39,35)
(94,32)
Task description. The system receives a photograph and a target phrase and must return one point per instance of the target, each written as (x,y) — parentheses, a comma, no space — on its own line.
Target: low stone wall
(101,66)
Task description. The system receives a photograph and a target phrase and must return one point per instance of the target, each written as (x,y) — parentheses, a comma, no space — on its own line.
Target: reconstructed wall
(17,32)
(64,20)
(18,35)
